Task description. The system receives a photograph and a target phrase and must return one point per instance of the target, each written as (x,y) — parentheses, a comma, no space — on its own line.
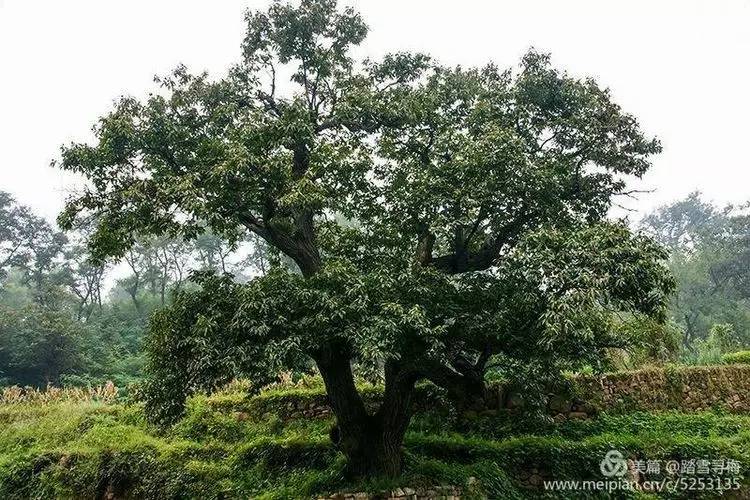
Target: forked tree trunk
(371,449)
(371,443)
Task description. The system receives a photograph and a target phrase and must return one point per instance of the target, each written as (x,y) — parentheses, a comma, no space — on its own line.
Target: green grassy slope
(229,446)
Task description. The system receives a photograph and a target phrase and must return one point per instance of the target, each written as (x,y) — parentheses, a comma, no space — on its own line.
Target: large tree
(439,217)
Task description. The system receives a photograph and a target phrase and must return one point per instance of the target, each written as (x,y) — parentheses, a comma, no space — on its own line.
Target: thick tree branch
(487,254)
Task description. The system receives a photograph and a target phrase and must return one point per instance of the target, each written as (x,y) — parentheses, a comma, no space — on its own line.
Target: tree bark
(371,443)
(371,448)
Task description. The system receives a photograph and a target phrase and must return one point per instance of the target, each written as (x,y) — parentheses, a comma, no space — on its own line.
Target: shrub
(741,357)
(106,393)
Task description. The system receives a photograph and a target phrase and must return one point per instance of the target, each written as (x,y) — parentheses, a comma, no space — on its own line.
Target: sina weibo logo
(614,464)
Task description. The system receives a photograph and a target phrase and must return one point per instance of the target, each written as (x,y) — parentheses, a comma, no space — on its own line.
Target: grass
(91,448)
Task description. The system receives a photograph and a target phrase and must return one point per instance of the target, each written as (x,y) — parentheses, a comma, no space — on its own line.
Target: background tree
(157,265)
(709,256)
(18,227)
(475,201)
(38,346)
(244,259)
(685,225)
(31,246)
(85,279)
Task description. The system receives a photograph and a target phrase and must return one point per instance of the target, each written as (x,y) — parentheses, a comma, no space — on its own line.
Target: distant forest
(66,319)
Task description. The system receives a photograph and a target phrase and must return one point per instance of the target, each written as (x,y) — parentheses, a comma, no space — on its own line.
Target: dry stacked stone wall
(693,388)
(434,493)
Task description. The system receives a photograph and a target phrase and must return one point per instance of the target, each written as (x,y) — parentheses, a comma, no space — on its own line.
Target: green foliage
(709,248)
(742,357)
(41,345)
(194,345)
(721,339)
(649,342)
(38,346)
(571,283)
(55,326)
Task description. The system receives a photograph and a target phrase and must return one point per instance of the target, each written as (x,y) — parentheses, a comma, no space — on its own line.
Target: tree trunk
(371,449)
(371,443)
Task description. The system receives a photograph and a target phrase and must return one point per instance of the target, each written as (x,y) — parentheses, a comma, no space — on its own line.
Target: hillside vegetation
(231,445)
(444,232)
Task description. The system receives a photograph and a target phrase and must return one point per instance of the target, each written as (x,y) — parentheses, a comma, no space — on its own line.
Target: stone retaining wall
(685,388)
(434,493)
(693,388)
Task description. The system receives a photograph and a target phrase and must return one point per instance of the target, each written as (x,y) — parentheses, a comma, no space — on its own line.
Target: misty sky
(682,67)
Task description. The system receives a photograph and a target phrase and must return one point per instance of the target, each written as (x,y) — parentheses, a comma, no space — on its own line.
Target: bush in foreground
(741,357)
